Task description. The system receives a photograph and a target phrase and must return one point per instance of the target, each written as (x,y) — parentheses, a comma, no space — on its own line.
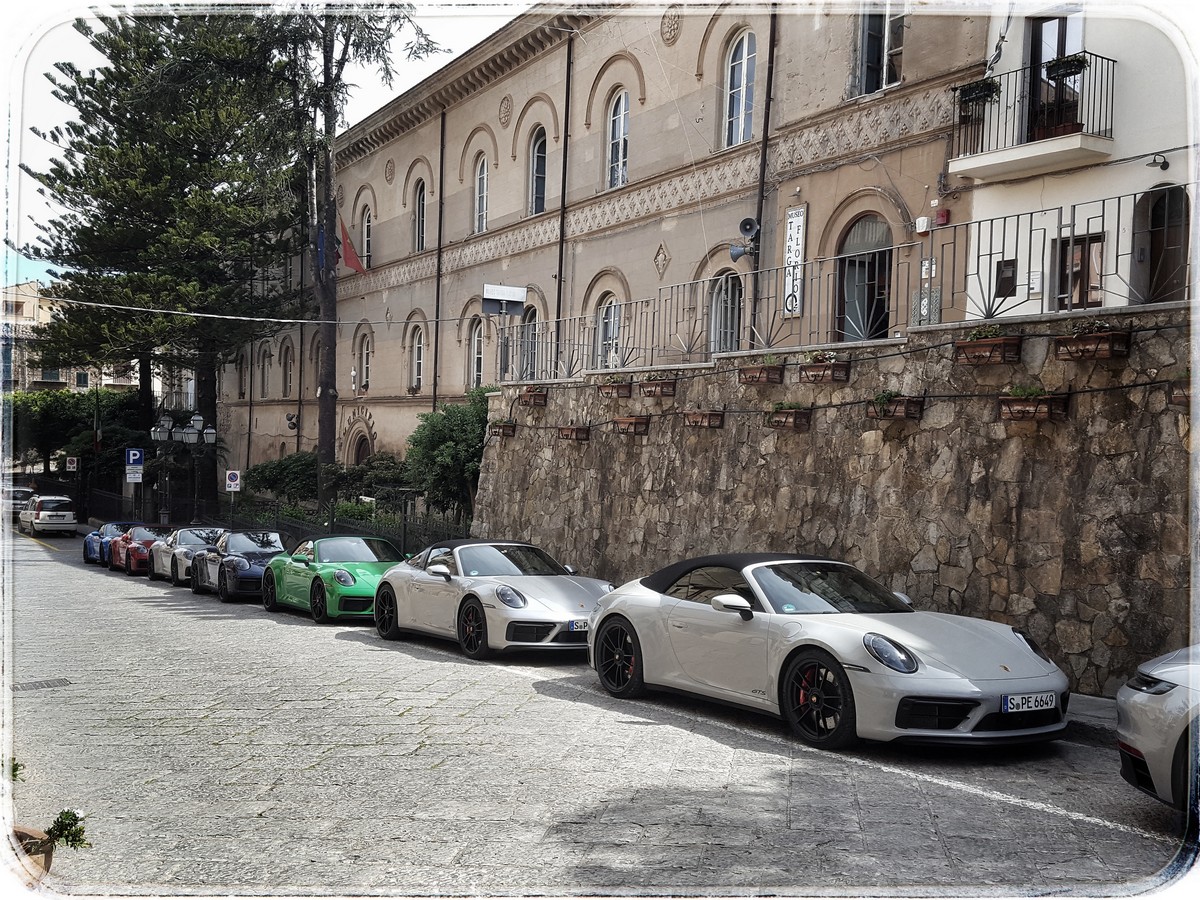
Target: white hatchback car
(46,514)
(1157,711)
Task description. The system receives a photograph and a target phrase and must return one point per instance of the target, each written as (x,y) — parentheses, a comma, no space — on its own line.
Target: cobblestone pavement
(220,749)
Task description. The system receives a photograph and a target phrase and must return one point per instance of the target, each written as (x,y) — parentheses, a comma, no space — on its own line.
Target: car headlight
(1033,645)
(1148,684)
(241,563)
(188,554)
(510,597)
(139,550)
(890,653)
(342,577)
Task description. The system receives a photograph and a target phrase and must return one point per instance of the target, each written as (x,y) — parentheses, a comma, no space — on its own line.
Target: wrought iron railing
(1068,95)
(1127,249)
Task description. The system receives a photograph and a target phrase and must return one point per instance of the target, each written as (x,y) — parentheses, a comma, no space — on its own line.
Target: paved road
(219,748)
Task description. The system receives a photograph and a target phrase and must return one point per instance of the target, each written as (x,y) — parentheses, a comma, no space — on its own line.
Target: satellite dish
(748,227)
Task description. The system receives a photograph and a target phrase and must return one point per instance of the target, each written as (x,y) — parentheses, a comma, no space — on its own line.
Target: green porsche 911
(330,576)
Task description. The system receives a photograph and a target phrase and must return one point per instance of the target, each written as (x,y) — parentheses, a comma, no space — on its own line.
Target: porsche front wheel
(386,614)
(817,701)
(472,630)
(619,659)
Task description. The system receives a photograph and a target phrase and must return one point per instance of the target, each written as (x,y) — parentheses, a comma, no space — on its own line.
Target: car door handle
(678,625)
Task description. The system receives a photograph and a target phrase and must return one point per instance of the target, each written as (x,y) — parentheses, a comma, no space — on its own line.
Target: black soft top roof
(662,579)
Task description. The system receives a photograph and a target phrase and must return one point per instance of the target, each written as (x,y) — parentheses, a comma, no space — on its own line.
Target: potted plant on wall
(789,416)
(1032,403)
(614,386)
(658,384)
(1066,66)
(769,370)
(503,427)
(894,405)
(988,344)
(575,432)
(632,424)
(974,96)
(822,365)
(704,418)
(534,395)
(1092,339)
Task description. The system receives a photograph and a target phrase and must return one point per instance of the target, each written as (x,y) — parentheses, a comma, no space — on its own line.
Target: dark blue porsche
(95,543)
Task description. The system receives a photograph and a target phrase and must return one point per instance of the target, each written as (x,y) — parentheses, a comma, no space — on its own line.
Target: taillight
(38,507)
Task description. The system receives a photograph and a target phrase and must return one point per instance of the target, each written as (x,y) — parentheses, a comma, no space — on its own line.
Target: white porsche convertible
(827,648)
(489,596)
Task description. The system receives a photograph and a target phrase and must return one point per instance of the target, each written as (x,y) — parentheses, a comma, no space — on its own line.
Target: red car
(131,551)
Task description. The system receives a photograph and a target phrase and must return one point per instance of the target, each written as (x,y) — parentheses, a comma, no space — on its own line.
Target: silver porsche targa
(822,645)
(488,596)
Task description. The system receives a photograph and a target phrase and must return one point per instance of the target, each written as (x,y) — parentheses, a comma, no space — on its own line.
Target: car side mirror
(733,603)
(300,558)
(570,570)
(439,570)
(907,600)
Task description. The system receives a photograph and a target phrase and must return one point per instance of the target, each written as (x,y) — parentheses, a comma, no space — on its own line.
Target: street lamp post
(196,435)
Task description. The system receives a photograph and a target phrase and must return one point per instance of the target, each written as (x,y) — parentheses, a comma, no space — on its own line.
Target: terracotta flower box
(760,374)
(503,429)
(615,389)
(1098,345)
(533,397)
(816,373)
(988,351)
(1181,393)
(575,432)
(704,418)
(896,408)
(1034,409)
(789,419)
(632,424)
(664,387)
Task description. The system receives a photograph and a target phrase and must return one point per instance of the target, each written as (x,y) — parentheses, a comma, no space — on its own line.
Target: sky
(38,34)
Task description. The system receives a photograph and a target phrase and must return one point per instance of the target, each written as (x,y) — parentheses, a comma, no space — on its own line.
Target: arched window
(287,367)
(529,345)
(240,366)
(537,172)
(416,359)
(481,194)
(475,355)
(725,313)
(739,90)
(364,354)
(419,217)
(362,450)
(264,370)
(864,276)
(365,255)
(618,140)
(608,333)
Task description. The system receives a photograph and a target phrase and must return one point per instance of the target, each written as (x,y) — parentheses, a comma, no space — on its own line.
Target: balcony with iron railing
(1117,251)
(1035,119)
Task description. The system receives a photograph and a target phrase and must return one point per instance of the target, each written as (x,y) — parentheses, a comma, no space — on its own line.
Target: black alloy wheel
(817,702)
(112,560)
(472,630)
(223,593)
(619,659)
(386,614)
(151,571)
(174,572)
(128,563)
(317,603)
(87,560)
(269,600)
(196,588)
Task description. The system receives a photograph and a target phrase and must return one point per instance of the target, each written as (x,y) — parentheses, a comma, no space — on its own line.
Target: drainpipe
(299,384)
(437,289)
(562,199)
(762,169)
(250,404)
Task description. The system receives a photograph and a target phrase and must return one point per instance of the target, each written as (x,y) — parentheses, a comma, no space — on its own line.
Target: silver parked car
(171,556)
(47,514)
(489,596)
(828,649)
(1157,712)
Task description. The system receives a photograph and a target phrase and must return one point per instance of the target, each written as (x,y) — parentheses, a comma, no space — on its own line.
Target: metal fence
(1127,249)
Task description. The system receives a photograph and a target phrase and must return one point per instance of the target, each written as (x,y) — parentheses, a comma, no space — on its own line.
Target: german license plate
(577,625)
(57,516)
(1028,702)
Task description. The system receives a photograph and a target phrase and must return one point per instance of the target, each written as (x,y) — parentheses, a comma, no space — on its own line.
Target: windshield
(149,533)
(507,559)
(805,588)
(112,529)
(354,549)
(253,542)
(201,536)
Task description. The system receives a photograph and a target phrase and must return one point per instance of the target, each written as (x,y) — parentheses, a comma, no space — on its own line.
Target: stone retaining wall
(1077,530)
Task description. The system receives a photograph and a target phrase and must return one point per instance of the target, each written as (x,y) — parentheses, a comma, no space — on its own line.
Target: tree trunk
(326,283)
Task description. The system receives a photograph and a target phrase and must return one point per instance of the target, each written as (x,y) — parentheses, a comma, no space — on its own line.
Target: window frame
(475,354)
(739,97)
(419,202)
(481,194)
(366,227)
(537,171)
(880,52)
(608,332)
(416,362)
(617,153)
